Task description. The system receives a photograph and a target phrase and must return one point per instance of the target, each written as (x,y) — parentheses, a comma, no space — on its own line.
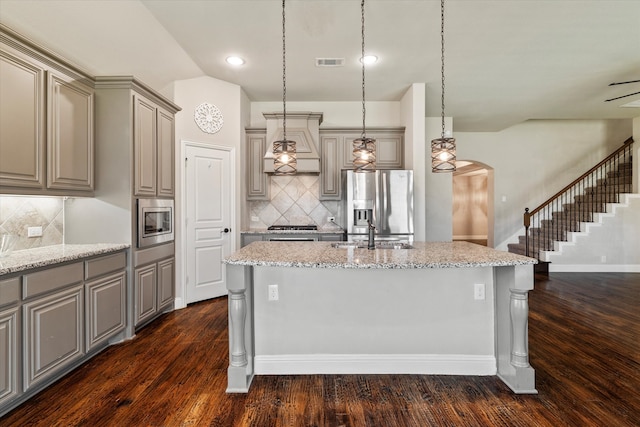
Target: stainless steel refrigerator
(385,198)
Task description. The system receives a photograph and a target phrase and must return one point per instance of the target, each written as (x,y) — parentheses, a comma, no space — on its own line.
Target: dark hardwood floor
(584,333)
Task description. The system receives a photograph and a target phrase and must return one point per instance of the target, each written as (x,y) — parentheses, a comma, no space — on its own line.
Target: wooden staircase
(575,204)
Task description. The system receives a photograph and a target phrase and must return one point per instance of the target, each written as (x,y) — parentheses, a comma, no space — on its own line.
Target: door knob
(226,230)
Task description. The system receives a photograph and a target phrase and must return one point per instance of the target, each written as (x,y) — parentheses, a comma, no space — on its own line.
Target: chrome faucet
(372,233)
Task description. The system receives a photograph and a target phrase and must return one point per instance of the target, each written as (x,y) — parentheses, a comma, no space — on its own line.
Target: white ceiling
(506,60)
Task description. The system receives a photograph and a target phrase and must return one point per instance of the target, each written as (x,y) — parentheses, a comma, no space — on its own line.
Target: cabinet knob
(226,230)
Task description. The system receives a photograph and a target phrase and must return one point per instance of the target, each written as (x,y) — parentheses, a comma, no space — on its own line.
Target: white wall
(232,103)
(412,107)
(535,159)
(611,244)
(438,188)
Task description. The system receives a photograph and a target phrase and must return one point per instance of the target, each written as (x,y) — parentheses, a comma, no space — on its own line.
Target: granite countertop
(333,230)
(423,255)
(49,255)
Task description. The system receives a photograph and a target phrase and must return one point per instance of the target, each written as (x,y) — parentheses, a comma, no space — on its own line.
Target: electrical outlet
(255,219)
(273,293)
(478,291)
(332,219)
(34,231)
(603,258)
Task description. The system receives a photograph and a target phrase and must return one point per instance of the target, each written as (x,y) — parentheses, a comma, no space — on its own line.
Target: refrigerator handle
(383,216)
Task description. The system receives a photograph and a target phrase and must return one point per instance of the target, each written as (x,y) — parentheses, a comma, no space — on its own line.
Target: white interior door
(207,221)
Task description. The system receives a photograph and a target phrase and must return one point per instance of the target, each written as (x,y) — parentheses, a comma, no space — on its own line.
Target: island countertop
(55,254)
(324,255)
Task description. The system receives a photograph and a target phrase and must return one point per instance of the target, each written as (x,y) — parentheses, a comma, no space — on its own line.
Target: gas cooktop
(293,227)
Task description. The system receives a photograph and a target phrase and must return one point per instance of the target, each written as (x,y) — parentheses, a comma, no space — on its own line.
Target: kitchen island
(450,308)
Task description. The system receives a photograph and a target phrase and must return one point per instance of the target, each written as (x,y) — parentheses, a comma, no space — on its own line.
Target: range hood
(303,127)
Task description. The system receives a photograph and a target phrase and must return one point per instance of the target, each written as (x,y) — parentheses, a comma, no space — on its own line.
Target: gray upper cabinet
(257,182)
(146,158)
(336,146)
(70,157)
(46,122)
(154,149)
(389,147)
(22,121)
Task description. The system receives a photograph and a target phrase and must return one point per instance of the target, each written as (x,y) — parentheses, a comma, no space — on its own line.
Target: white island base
(347,319)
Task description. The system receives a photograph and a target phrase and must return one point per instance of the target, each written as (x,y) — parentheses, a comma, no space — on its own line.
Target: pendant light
(364,149)
(284,150)
(443,149)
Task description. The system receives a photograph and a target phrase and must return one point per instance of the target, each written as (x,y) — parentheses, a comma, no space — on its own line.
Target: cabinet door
(106,308)
(22,118)
(166,154)
(166,282)
(145,155)
(53,334)
(257,183)
(330,183)
(70,146)
(146,302)
(8,354)
(389,152)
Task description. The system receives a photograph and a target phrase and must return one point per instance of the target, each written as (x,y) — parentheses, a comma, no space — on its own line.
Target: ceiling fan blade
(624,83)
(623,96)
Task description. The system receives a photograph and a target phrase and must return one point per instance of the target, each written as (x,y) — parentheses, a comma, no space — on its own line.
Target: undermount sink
(379,245)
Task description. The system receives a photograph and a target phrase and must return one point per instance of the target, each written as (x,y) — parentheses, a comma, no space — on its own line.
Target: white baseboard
(427,364)
(178,303)
(593,268)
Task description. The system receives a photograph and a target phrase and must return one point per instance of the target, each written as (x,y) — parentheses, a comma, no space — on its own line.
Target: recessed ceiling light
(235,60)
(369,59)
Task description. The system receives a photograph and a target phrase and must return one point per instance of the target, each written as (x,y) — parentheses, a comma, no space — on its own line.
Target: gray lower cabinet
(105,308)
(9,347)
(146,292)
(51,319)
(53,334)
(154,289)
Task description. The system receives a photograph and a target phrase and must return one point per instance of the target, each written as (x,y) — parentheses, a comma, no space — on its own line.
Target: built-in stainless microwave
(155,221)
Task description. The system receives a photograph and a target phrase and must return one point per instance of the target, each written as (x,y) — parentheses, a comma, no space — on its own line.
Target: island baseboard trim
(427,364)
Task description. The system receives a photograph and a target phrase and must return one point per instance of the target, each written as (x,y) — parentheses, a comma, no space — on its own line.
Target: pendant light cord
(284,77)
(364,110)
(442,59)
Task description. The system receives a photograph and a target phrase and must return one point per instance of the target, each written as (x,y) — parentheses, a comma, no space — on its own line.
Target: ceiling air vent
(329,62)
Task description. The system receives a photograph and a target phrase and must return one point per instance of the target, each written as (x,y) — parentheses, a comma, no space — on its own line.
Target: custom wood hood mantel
(311,308)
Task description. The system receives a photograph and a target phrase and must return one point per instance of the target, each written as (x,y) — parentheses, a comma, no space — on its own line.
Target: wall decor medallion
(208,118)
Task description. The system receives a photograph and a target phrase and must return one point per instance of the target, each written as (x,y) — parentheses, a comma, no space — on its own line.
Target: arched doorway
(473,202)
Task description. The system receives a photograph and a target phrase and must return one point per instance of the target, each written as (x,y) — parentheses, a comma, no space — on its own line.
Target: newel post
(527,223)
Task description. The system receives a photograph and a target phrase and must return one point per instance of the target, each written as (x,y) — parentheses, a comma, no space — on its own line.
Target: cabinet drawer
(51,279)
(9,291)
(103,265)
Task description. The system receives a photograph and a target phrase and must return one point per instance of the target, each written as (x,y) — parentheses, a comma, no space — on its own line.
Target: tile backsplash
(17,213)
(294,200)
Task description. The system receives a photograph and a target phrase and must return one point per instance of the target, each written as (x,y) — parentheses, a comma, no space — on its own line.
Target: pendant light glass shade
(284,151)
(284,157)
(443,155)
(443,149)
(364,155)
(364,149)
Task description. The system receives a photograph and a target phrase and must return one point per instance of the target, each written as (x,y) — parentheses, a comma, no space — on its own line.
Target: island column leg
(512,319)
(240,370)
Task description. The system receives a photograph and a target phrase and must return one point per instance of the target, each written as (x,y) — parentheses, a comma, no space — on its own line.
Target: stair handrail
(528,214)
